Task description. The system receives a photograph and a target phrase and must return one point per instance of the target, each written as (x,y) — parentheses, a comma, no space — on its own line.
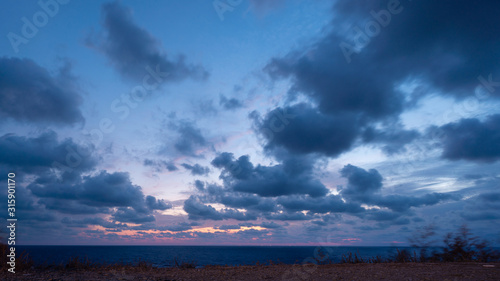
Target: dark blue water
(163,256)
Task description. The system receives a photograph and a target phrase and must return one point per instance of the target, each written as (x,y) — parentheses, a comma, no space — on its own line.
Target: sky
(250,122)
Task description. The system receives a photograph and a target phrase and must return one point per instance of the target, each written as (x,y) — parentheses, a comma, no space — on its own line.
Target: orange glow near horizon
(194,230)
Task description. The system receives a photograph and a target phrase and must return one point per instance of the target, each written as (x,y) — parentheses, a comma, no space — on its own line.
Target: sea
(164,256)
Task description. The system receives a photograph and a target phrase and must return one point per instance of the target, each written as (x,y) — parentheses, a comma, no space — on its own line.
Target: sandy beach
(383,271)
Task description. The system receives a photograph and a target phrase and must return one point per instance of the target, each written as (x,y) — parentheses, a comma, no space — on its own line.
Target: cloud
(85,222)
(29,93)
(71,207)
(229,104)
(98,194)
(400,203)
(125,214)
(156,204)
(303,129)
(268,181)
(361,183)
(321,205)
(365,186)
(226,227)
(471,139)
(199,211)
(358,93)
(190,138)
(392,138)
(285,216)
(233,199)
(249,193)
(449,57)
(183,226)
(160,165)
(39,154)
(135,53)
(197,169)
(485,206)
(271,225)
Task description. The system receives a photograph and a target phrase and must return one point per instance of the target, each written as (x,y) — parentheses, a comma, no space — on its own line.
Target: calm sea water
(163,256)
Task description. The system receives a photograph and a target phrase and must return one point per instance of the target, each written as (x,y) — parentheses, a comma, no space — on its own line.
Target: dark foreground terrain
(381,271)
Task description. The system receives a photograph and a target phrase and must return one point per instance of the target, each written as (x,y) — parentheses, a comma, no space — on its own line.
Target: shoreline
(362,271)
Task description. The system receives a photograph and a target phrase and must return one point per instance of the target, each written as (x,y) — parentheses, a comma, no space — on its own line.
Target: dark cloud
(435,42)
(160,165)
(299,204)
(190,138)
(365,186)
(481,216)
(339,87)
(271,225)
(29,93)
(27,206)
(303,129)
(485,206)
(39,154)
(361,183)
(291,177)
(183,226)
(157,204)
(321,205)
(393,139)
(434,46)
(400,203)
(227,227)
(125,214)
(71,207)
(98,194)
(471,139)
(196,169)
(285,216)
(490,197)
(381,215)
(199,211)
(91,221)
(136,54)
(229,104)
(219,194)
(102,190)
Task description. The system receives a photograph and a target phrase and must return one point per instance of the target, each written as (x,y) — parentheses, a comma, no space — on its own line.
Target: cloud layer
(30,93)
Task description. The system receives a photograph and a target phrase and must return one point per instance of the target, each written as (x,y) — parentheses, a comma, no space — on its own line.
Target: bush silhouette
(458,247)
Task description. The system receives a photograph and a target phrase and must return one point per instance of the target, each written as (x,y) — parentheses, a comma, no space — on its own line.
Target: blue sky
(250,122)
